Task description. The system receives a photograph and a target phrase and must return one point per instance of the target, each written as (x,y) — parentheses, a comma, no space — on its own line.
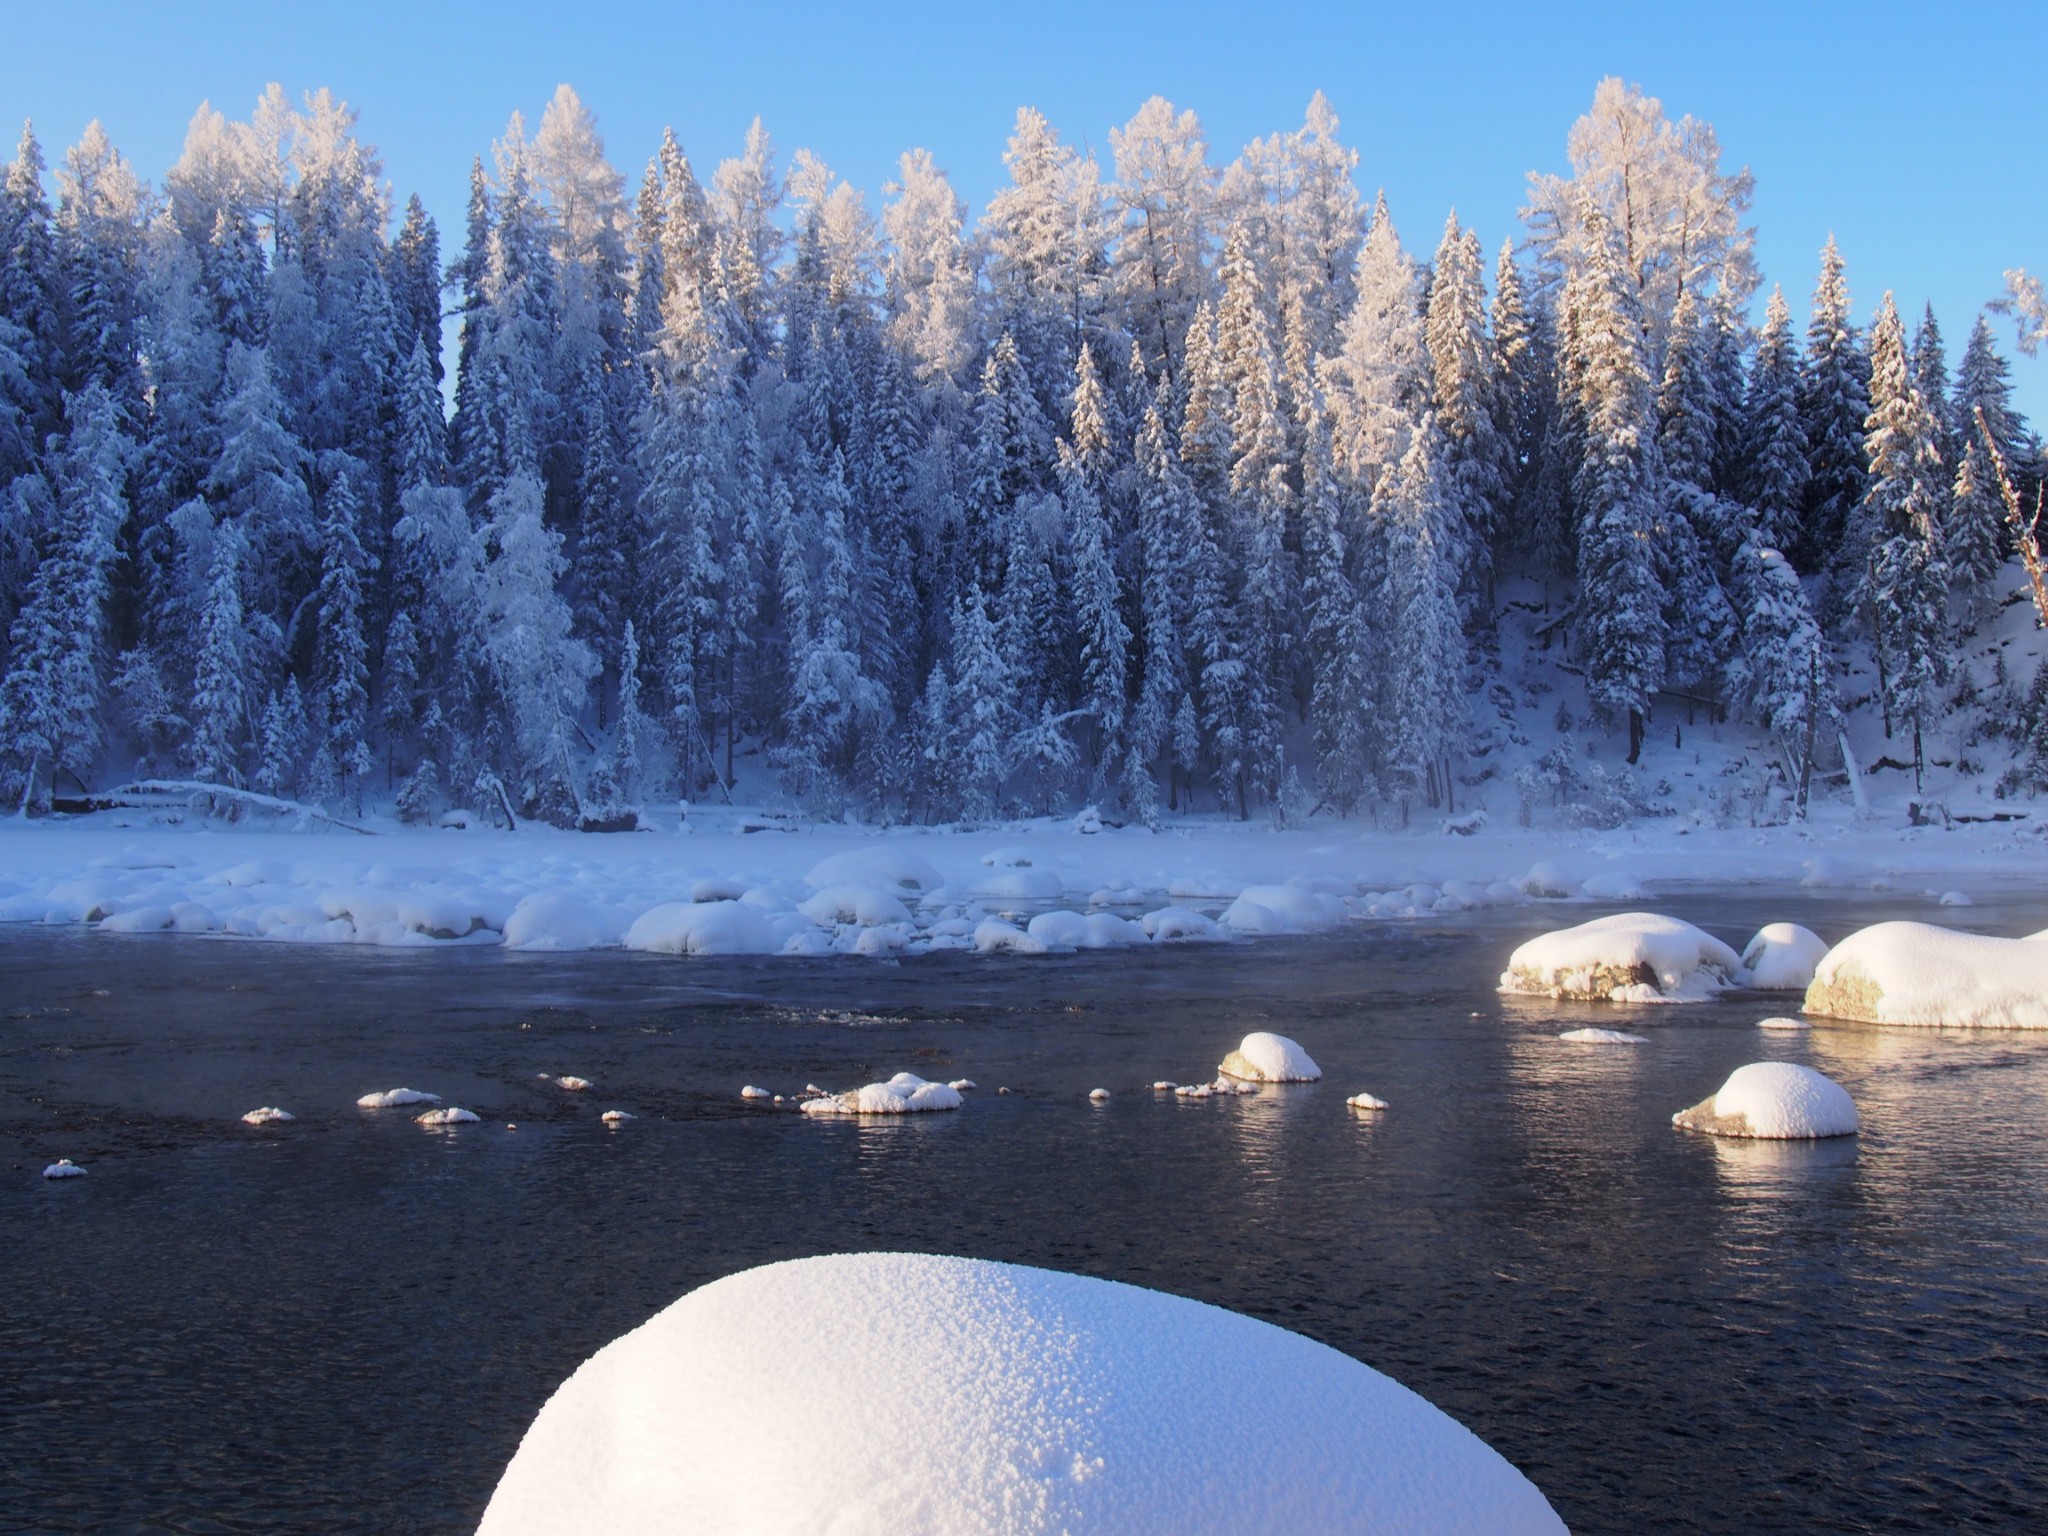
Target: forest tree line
(1159,486)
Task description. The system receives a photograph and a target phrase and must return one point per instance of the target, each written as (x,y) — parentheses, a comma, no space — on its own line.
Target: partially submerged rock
(1263,1057)
(905,1093)
(1774,1101)
(1631,957)
(1915,973)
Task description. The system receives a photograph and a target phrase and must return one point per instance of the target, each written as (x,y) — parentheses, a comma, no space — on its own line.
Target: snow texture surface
(905,1093)
(1915,973)
(1783,956)
(1774,1101)
(958,1397)
(1263,1057)
(1631,957)
(396,1098)
(269,1115)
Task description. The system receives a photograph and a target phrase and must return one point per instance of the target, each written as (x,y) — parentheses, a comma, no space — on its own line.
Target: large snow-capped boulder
(1282,909)
(1782,957)
(1774,1101)
(1631,957)
(957,1397)
(1264,1057)
(895,869)
(1915,973)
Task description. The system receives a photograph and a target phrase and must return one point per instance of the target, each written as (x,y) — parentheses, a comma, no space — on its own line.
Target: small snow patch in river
(267,1116)
(1603,1037)
(63,1168)
(448,1116)
(393,1098)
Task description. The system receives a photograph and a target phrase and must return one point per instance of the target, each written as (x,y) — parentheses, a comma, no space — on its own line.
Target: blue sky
(1915,132)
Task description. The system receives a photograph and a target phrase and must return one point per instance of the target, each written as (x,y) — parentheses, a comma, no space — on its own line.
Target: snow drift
(959,1397)
(1915,973)
(1774,1101)
(1631,957)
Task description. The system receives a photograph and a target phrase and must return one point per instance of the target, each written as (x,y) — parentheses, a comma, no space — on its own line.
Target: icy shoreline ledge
(948,1397)
(826,889)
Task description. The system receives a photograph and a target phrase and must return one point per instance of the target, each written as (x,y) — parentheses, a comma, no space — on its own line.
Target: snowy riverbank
(749,883)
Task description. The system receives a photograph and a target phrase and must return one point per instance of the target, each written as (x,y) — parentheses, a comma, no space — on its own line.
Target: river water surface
(345,1324)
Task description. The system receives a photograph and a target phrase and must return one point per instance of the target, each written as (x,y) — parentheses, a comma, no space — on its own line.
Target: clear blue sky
(1917,133)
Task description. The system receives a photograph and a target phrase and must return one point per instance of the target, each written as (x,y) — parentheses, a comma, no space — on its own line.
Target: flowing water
(344,1324)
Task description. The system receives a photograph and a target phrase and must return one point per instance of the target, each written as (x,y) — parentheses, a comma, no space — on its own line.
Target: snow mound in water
(1365,1101)
(617,1116)
(1263,1057)
(449,1116)
(753,1091)
(869,906)
(63,1168)
(1631,957)
(1782,957)
(704,928)
(1956,899)
(960,1397)
(1614,885)
(897,869)
(573,1084)
(1915,973)
(394,1098)
(1603,1037)
(1282,909)
(563,920)
(1774,1101)
(1171,925)
(1782,1024)
(905,1093)
(1018,885)
(267,1116)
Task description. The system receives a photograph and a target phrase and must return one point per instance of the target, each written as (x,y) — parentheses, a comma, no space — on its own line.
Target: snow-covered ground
(743,882)
(914,1394)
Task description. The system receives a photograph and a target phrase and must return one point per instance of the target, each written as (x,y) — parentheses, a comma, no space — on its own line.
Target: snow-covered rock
(1784,1025)
(1018,885)
(1782,957)
(1614,885)
(958,1397)
(752,1091)
(1282,909)
(1548,881)
(1631,957)
(395,1098)
(1915,973)
(962,1085)
(868,905)
(269,1115)
(704,928)
(448,1116)
(617,1116)
(563,920)
(905,1093)
(993,936)
(1099,1095)
(1957,899)
(1775,1101)
(63,1168)
(571,1083)
(1264,1057)
(896,869)
(1603,1037)
(1365,1101)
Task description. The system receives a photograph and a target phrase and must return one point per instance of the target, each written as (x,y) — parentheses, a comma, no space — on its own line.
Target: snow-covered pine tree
(1834,400)
(1928,367)
(1173,542)
(1341,697)
(984,709)
(1905,576)
(1380,375)
(1775,480)
(1098,619)
(1791,687)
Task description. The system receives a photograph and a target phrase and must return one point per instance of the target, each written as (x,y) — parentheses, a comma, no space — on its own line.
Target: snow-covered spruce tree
(1342,684)
(260,482)
(1472,467)
(1167,191)
(1528,531)
(1697,532)
(541,673)
(1905,575)
(1791,687)
(1424,673)
(30,343)
(220,712)
(1834,401)
(1977,528)
(1775,480)
(1617,487)
(984,710)
(281,740)
(50,694)
(1927,365)
(929,291)
(1380,373)
(341,665)
(1173,544)
(1097,620)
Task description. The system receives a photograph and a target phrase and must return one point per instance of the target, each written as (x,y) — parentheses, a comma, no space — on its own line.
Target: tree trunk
(1635,735)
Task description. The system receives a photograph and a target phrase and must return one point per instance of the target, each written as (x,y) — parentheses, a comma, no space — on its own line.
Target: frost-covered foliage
(1164,485)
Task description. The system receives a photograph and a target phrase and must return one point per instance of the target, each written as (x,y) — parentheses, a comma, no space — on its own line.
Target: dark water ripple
(345,1324)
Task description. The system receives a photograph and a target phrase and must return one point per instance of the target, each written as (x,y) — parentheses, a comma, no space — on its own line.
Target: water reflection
(1754,1169)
